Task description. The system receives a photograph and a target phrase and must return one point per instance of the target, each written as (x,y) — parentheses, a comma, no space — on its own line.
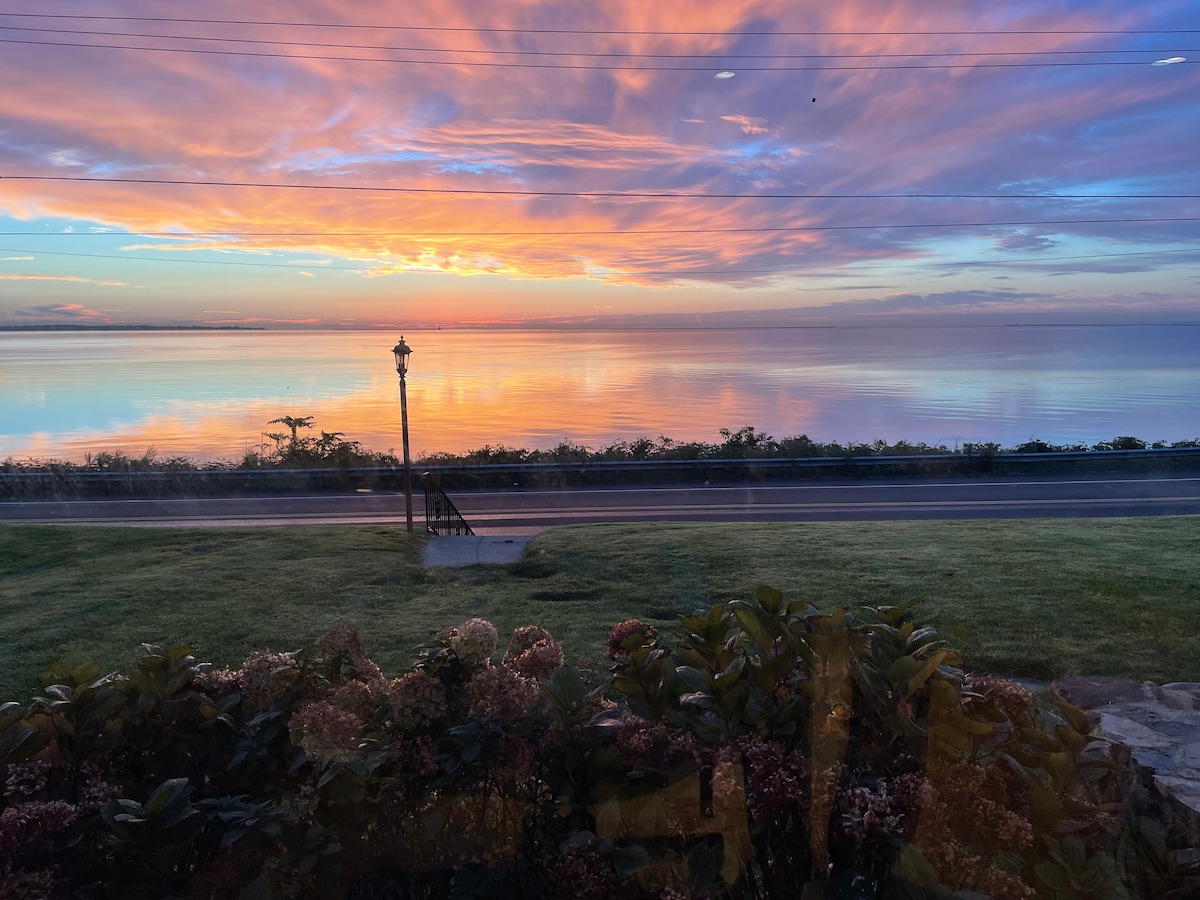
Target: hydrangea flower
(474,642)
(501,694)
(416,699)
(325,732)
(626,637)
(262,682)
(534,653)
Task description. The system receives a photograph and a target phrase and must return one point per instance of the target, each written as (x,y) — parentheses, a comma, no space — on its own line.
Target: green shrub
(768,750)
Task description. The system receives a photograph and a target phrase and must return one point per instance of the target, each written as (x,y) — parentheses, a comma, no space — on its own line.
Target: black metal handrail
(441,515)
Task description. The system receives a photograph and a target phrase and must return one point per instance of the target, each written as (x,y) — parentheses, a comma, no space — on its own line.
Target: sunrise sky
(448,162)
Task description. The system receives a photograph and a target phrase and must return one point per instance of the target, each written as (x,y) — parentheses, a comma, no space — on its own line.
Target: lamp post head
(402,351)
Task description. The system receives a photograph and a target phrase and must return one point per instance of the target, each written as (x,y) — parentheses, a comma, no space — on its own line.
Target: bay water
(210,394)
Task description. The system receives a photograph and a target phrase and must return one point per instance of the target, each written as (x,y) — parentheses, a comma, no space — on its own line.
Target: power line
(637,231)
(582,67)
(601,271)
(586,54)
(581,31)
(615,195)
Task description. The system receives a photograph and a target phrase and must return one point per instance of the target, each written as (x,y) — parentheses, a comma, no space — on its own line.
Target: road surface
(518,510)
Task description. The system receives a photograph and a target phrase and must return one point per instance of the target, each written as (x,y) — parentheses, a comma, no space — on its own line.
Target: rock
(1160,727)
(1091,691)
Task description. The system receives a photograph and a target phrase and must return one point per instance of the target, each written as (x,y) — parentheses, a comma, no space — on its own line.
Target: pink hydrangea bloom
(357,697)
(31,827)
(534,653)
(622,632)
(262,682)
(513,761)
(27,779)
(326,732)
(502,694)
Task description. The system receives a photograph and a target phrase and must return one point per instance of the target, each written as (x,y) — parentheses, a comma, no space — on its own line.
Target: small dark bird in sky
(814,99)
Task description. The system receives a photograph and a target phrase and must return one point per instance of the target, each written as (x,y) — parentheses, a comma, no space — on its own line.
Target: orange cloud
(597,127)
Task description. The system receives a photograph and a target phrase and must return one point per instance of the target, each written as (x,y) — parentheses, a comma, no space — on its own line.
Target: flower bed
(769,751)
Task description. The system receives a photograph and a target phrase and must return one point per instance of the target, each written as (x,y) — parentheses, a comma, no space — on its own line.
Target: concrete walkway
(474,549)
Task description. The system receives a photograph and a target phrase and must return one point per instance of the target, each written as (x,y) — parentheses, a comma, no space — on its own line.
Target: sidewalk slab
(474,549)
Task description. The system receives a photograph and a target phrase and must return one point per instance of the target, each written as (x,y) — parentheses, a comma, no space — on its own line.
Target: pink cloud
(748,124)
(195,117)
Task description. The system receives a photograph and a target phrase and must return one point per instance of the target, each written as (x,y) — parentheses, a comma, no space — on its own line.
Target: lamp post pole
(402,351)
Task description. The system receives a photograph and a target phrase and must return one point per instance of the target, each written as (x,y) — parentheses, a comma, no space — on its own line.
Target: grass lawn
(1039,598)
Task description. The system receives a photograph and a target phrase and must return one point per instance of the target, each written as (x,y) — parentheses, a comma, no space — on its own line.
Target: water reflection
(210,394)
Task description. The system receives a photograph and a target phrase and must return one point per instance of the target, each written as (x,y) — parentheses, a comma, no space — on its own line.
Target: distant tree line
(294,447)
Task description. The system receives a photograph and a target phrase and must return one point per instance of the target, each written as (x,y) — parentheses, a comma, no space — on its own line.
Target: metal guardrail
(441,515)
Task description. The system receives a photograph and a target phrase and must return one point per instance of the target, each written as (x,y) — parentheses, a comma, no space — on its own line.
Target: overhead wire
(583,31)
(611,194)
(583,67)
(605,194)
(722,57)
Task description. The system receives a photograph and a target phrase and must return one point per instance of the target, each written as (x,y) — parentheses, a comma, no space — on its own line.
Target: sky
(442,163)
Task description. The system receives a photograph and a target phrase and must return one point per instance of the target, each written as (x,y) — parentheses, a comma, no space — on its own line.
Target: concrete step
(474,549)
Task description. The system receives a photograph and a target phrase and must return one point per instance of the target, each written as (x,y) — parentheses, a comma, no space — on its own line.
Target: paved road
(517,510)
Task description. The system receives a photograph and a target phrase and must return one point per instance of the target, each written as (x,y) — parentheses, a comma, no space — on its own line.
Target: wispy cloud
(57,311)
(748,124)
(21,277)
(69,278)
(565,132)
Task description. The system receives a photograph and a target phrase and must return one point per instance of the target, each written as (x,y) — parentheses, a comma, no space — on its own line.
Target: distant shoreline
(74,327)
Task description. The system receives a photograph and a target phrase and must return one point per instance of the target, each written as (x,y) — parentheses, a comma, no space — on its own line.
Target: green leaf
(703,865)
(752,625)
(693,678)
(633,858)
(168,798)
(1053,875)
(731,674)
(769,598)
(567,688)
(912,867)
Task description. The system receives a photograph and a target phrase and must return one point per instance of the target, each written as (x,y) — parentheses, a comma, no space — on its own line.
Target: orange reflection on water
(211,394)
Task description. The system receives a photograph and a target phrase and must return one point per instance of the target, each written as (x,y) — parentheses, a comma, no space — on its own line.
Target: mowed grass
(1039,598)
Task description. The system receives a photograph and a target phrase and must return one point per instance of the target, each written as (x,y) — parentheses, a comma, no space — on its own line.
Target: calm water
(210,394)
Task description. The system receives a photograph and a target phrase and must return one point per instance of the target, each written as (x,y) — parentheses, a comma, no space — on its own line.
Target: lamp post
(403,351)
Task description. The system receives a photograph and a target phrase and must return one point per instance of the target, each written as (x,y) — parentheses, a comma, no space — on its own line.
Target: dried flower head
(342,641)
(582,874)
(358,697)
(501,694)
(626,637)
(474,642)
(27,779)
(221,682)
(31,827)
(267,676)
(325,732)
(513,760)
(534,653)
(417,699)
(1008,697)
(40,884)
(777,781)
